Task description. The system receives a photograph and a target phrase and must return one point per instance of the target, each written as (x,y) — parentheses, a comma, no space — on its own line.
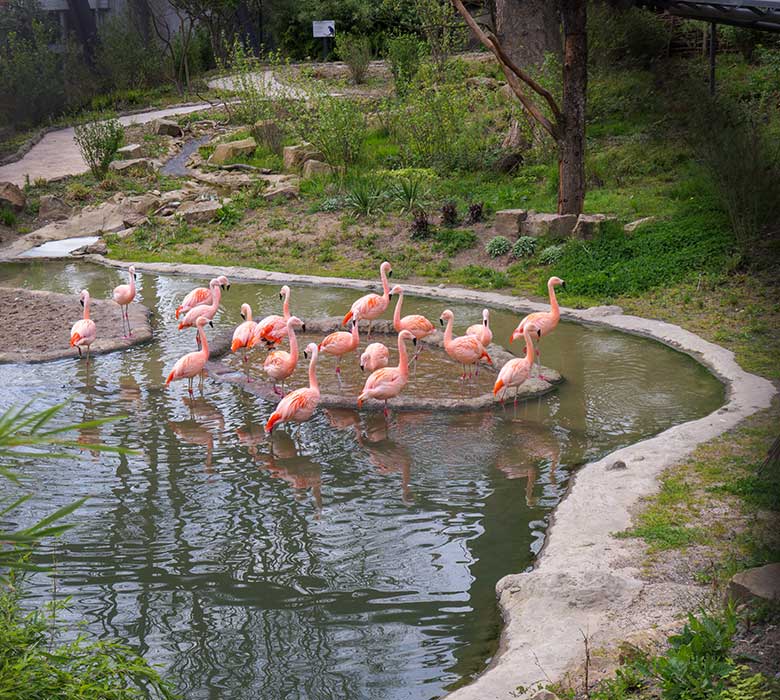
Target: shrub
(78,192)
(364,196)
(449,214)
(355,51)
(421,227)
(98,142)
(498,246)
(444,32)
(403,54)
(7,217)
(453,242)
(551,254)
(410,193)
(524,247)
(475,214)
(484,277)
(632,35)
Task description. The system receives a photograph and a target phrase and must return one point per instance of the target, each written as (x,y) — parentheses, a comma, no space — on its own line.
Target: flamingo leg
(387,413)
(189,387)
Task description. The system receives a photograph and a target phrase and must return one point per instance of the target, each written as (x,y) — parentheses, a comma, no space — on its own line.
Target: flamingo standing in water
(518,369)
(199,296)
(84,331)
(243,333)
(419,326)
(340,343)
(371,306)
(208,311)
(299,405)
(545,321)
(280,364)
(482,330)
(387,383)
(192,364)
(273,329)
(465,349)
(374,357)
(124,295)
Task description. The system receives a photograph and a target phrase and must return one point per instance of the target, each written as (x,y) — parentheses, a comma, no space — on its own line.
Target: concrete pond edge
(581,581)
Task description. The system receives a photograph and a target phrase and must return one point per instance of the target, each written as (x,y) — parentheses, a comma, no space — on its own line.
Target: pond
(359,561)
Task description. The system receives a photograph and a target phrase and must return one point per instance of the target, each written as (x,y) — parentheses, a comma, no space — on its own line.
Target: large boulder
(760,583)
(295,156)
(284,190)
(267,132)
(11,197)
(589,226)
(134,166)
(165,127)
(232,149)
(52,208)
(549,225)
(198,212)
(508,222)
(634,225)
(132,150)
(313,168)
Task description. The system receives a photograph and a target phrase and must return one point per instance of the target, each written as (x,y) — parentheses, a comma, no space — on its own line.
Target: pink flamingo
(192,364)
(299,405)
(199,296)
(518,369)
(482,330)
(374,357)
(243,333)
(371,306)
(545,321)
(340,343)
(206,310)
(387,382)
(84,331)
(124,295)
(419,326)
(273,329)
(280,364)
(465,349)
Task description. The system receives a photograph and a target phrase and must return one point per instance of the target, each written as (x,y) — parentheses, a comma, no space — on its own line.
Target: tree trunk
(571,143)
(527,29)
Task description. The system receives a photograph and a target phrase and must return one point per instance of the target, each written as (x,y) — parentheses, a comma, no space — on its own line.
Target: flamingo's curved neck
(293,345)
(448,332)
(248,313)
(530,353)
(385,284)
(216,296)
(286,305)
(86,306)
(403,361)
(397,312)
(204,344)
(355,333)
(554,308)
(313,372)
(132,283)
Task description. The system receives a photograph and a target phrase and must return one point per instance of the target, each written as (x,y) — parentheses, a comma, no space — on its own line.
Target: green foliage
(410,193)
(403,54)
(453,241)
(421,227)
(498,246)
(481,277)
(7,217)
(98,142)
(551,254)
(741,684)
(445,32)
(629,35)
(524,247)
(364,196)
(355,51)
(449,214)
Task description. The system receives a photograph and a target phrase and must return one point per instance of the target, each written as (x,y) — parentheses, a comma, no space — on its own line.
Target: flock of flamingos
(200,306)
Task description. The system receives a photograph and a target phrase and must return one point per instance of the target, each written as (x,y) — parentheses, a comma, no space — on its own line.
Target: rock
(634,225)
(762,582)
(507,93)
(232,149)
(616,466)
(134,219)
(198,212)
(267,132)
(165,127)
(12,197)
(287,190)
(139,166)
(132,150)
(142,204)
(312,168)
(99,247)
(508,222)
(589,225)
(545,695)
(52,208)
(295,156)
(483,82)
(550,225)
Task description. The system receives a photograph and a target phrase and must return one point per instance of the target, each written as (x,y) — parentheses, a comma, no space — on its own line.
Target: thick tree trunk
(527,29)
(571,142)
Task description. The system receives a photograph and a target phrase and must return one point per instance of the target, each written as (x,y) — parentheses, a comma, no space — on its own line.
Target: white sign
(323,28)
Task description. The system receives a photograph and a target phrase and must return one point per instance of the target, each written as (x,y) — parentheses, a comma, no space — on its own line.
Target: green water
(359,562)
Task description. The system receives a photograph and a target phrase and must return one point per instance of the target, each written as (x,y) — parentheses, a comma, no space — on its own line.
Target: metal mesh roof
(753,14)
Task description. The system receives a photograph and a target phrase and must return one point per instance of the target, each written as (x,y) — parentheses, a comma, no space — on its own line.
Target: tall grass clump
(355,51)
(403,55)
(98,142)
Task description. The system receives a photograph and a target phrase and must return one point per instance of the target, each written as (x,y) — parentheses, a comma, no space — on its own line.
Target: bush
(421,227)
(630,35)
(98,142)
(7,217)
(551,255)
(475,214)
(484,277)
(444,31)
(403,54)
(410,192)
(364,196)
(453,242)
(498,246)
(449,214)
(524,247)
(335,126)
(355,51)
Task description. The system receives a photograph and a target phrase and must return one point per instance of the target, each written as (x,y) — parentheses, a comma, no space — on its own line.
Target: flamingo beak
(441,320)
(362,369)
(243,316)
(390,273)
(211,323)
(281,296)
(414,342)
(228,288)
(390,296)
(306,354)
(538,332)
(81,301)
(513,336)
(563,285)
(303,327)
(484,323)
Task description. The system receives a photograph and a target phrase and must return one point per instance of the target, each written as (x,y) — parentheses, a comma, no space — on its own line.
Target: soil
(36,325)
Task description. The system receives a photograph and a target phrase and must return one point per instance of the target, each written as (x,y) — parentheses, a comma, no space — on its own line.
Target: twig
(587,664)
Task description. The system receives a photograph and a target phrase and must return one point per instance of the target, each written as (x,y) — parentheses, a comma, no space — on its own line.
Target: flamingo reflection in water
(300,472)
(387,456)
(205,425)
(535,444)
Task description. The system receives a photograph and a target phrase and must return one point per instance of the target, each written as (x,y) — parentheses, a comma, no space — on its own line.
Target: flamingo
(465,349)
(374,357)
(545,321)
(124,295)
(190,365)
(200,295)
(299,405)
(280,364)
(273,329)
(340,343)
(206,310)
(84,331)
(387,382)
(243,333)
(518,369)
(419,326)
(371,306)
(482,330)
